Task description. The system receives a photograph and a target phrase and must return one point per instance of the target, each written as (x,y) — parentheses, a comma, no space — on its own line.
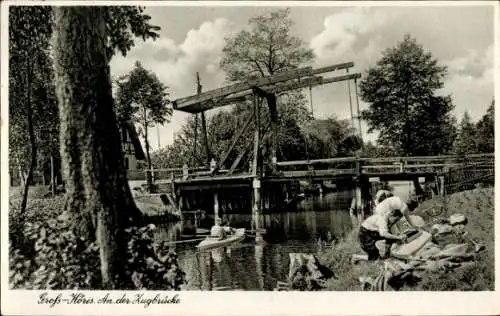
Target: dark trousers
(367,239)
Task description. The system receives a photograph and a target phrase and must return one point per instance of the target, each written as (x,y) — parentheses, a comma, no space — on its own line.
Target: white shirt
(218,231)
(388,205)
(382,194)
(376,222)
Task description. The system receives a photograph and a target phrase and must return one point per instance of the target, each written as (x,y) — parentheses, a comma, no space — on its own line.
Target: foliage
(485,130)
(123,24)
(265,49)
(466,140)
(403,106)
(30,30)
(56,254)
(327,138)
(374,151)
(152,266)
(30,87)
(142,98)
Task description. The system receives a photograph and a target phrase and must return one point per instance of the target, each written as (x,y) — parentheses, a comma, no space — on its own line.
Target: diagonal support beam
(256,144)
(246,150)
(235,141)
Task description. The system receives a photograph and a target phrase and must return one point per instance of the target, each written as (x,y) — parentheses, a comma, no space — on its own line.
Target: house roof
(134,137)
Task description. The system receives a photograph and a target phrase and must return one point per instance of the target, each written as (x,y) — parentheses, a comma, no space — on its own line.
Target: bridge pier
(256,207)
(216,205)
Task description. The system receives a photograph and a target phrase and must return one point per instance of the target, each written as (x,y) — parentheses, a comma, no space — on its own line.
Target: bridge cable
(350,100)
(312,114)
(311,100)
(195,137)
(357,106)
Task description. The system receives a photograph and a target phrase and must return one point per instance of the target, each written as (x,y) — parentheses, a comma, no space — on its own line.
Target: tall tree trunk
(98,198)
(146,141)
(407,129)
(149,177)
(31,133)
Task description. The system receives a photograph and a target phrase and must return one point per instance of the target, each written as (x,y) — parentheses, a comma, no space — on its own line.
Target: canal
(258,266)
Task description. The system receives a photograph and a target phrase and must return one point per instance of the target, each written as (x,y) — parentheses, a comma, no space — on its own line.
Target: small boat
(211,242)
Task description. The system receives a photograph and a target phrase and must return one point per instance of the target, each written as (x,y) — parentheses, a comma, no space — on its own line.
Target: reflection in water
(258,266)
(259,253)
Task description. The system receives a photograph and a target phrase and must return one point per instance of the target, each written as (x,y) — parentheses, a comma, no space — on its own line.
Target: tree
(33,109)
(466,141)
(327,138)
(123,24)
(485,130)
(371,150)
(98,198)
(30,81)
(265,49)
(403,105)
(142,97)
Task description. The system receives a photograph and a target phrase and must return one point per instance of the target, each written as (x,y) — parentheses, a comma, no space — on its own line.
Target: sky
(192,38)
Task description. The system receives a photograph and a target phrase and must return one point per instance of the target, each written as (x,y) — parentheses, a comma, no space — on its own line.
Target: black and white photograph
(169,148)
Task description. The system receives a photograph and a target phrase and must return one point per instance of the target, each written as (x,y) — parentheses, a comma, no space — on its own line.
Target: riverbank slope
(477,205)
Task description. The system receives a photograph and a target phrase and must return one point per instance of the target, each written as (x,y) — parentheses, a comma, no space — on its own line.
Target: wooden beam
(209,99)
(306,82)
(238,87)
(242,96)
(203,121)
(341,78)
(238,159)
(271,103)
(197,187)
(256,145)
(315,161)
(318,173)
(245,151)
(235,141)
(331,68)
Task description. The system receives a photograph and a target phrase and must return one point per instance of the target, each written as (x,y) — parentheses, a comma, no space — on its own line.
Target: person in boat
(227,226)
(218,230)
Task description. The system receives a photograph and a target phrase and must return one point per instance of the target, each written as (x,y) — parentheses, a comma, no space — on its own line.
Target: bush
(52,257)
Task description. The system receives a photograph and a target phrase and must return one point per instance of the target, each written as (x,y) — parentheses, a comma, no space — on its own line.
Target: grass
(36,206)
(477,205)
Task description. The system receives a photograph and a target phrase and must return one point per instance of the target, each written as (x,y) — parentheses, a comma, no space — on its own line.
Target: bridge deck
(335,169)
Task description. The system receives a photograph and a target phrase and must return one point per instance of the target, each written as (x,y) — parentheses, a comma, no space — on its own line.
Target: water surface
(258,266)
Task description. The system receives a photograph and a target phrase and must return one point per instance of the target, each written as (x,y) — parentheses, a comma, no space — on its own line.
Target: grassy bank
(46,254)
(477,205)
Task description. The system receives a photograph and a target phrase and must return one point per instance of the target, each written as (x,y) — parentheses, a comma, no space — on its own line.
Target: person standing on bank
(378,227)
(390,203)
(373,229)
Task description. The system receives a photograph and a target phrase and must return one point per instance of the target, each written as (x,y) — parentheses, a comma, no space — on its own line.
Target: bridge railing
(420,164)
(338,166)
(318,167)
(166,173)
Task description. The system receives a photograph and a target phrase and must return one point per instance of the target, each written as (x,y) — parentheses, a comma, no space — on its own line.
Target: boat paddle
(184,241)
